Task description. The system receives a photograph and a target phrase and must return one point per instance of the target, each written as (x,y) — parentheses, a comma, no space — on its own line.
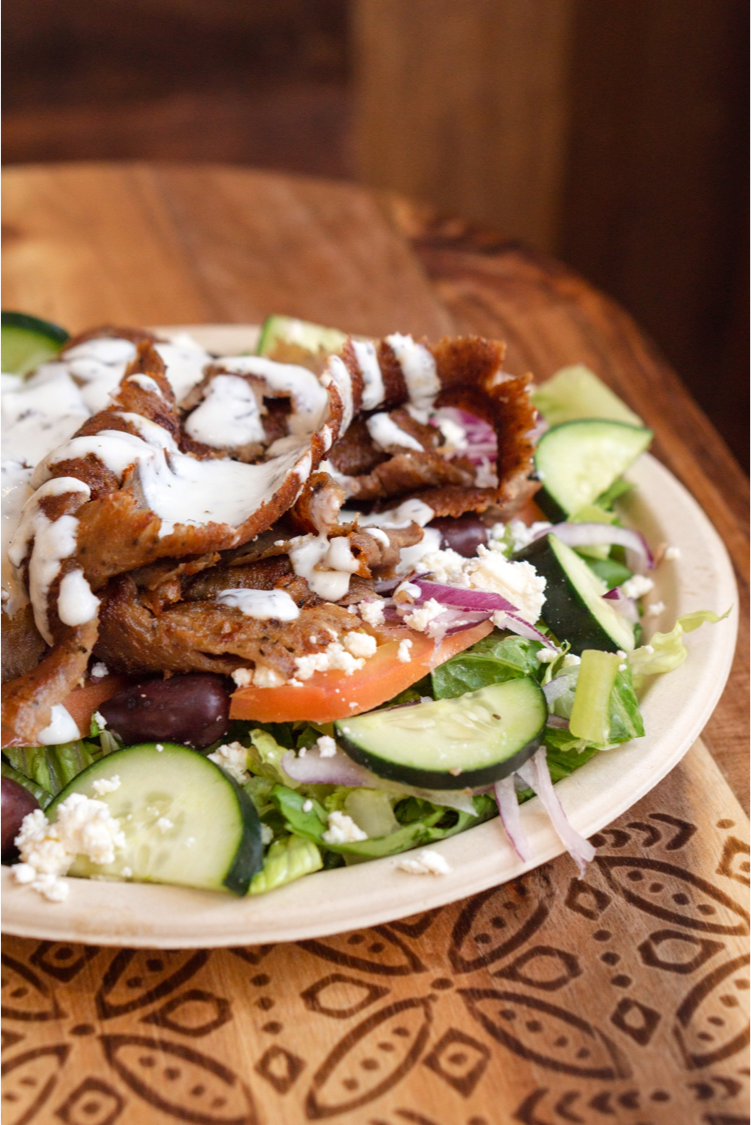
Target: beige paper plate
(676,708)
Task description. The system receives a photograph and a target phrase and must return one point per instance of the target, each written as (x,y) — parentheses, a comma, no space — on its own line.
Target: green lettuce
(492,660)
(666,651)
(53,767)
(287,859)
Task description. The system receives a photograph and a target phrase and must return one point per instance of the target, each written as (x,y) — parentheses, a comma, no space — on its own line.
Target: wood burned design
(548,1001)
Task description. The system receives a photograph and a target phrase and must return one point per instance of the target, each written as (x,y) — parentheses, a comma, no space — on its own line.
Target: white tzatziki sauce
(264,605)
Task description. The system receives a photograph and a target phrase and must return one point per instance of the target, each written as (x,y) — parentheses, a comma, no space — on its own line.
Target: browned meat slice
(22,643)
(28,700)
(408,474)
(204,636)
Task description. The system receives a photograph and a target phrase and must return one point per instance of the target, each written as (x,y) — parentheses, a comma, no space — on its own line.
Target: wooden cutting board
(620,998)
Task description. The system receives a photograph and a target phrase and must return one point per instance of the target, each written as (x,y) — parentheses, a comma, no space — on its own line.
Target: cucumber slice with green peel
(461,743)
(28,341)
(185,821)
(578,461)
(575,608)
(277,330)
(576,392)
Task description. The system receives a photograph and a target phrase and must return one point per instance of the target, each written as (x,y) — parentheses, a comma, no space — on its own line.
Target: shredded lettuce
(666,651)
(287,859)
(420,822)
(53,767)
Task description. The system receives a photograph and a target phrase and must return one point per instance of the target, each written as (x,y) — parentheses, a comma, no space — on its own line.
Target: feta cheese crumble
(342,830)
(326,746)
(106,785)
(403,652)
(267,835)
(243,677)
(655,609)
(371,612)
(637,586)
(426,862)
(420,619)
(233,759)
(672,553)
(334,658)
(84,826)
(360,644)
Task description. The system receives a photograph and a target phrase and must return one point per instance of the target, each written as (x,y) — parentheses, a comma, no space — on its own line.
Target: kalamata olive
(463,534)
(192,709)
(16,803)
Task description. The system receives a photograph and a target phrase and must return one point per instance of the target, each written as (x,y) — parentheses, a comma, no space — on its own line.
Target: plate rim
(133,914)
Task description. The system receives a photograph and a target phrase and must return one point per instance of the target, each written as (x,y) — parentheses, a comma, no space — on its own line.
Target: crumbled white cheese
(518,582)
(106,785)
(360,644)
(672,553)
(326,746)
(622,667)
(403,652)
(637,586)
(426,862)
(444,566)
(655,610)
(371,612)
(265,676)
(159,747)
(99,670)
(547,655)
(267,835)
(100,720)
(83,827)
(243,677)
(420,619)
(570,659)
(333,658)
(164,824)
(233,759)
(307,806)
(342,830)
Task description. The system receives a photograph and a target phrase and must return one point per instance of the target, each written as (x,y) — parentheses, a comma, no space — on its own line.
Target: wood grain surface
(550,1000)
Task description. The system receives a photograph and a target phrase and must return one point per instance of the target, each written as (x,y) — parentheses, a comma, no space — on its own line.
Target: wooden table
(622,998)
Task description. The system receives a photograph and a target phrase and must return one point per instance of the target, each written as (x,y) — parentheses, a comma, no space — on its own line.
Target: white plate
(676,708)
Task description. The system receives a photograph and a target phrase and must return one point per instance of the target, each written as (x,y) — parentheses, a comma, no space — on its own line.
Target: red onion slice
(312,769)
(508,810)
(623,605)
(537,776)
(516,624)
(558,722)
(604,534)
(461,597)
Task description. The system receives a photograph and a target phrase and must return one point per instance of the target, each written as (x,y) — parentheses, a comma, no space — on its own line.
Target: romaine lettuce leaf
(666,651)
(491,661)
(52,767)
(286,860)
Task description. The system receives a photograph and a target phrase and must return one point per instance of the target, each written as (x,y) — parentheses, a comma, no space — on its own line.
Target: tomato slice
(84,701)
(334,695)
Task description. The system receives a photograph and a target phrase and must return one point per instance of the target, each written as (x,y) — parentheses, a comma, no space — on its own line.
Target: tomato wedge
(84,701)
(333,695)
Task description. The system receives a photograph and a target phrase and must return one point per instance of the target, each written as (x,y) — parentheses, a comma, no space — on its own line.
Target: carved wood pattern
(622,997)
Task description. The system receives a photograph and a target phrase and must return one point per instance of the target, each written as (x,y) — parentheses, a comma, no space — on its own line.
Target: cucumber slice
(465,742)
(578,461)
(185,821)
(574,606)
(277,330)
(28,341)
(576,392)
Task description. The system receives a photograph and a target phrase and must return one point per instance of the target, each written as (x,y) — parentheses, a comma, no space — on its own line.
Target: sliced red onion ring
(461,597)
(508,810)
(597,534)
(537,776)
(516,624)
(312,769)
(623,605)
(558,722)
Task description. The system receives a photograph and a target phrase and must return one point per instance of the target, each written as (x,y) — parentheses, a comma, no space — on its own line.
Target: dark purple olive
(17,802)
(463,534)
(192,709)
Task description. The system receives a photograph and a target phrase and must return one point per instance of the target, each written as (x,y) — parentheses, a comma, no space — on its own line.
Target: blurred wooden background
(612,133)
